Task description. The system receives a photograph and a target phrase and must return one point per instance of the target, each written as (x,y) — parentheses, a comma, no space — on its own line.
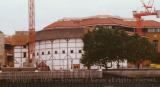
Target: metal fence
(73,82)
(51,75)
(79,78)
(134,72)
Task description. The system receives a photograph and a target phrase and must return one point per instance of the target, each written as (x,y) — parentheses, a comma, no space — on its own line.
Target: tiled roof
(151,23)
(20,39)
(8,40)
(59,34)
(64,24)
(146,23)
(101,21)
(17,40)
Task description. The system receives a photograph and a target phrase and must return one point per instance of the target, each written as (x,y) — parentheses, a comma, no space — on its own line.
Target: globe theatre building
(60,48)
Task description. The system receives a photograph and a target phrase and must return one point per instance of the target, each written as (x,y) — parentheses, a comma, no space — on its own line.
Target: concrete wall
(2,60)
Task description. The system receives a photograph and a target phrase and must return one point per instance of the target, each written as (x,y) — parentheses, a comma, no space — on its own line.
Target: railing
(111,81)
(134,72)
(18,74)
(79,78)
(51,75)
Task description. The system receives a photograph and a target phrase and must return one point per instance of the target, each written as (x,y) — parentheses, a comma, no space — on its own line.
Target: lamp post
(67,54)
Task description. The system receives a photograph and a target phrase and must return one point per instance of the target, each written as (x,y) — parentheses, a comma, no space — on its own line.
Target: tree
(119,49)
(140,49)
(87,56)
(103,46)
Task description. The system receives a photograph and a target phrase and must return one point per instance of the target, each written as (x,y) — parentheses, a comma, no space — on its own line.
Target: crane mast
(148,11)
(31,48)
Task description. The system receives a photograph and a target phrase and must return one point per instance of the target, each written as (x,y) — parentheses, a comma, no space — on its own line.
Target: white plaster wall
(45,51)
(19,58)
(59,60)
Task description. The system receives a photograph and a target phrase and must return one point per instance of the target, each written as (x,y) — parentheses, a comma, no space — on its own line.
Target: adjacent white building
(20,55)
(20,48)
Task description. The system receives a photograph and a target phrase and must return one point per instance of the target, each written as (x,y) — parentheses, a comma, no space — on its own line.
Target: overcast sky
(14,13)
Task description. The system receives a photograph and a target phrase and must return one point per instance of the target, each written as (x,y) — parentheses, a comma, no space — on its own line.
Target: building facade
(16,50)
(60,44)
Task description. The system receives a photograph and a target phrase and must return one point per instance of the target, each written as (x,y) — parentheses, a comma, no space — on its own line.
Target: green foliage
(140,49)
(103,46)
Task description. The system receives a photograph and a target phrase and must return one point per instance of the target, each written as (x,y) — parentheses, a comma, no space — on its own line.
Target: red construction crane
(149,10)
(31,48)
